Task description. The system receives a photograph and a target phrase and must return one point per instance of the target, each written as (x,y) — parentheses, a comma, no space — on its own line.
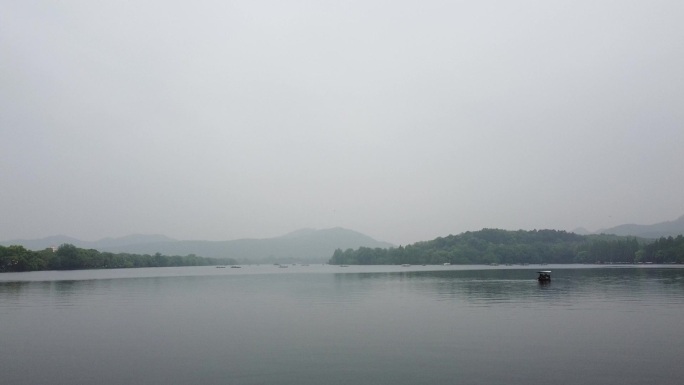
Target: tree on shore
(69,257)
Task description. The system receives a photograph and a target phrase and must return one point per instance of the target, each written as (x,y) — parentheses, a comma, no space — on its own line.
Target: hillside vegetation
(69,257)
(489,246)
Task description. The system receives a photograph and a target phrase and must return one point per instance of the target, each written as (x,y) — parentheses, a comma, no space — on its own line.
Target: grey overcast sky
(404,120)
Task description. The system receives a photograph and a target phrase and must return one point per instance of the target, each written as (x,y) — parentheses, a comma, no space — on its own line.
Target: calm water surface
(334,325)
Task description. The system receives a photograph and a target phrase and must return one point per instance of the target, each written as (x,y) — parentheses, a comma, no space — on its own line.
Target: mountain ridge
(657,230)
(305,244)
(300,245)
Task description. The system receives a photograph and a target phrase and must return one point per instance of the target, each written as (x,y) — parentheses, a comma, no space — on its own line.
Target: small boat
(405,264)
(544,276)
(220,267)
(235,267)
(447,264)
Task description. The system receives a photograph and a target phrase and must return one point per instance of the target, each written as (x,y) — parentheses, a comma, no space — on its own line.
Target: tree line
(70,257)
(494,246)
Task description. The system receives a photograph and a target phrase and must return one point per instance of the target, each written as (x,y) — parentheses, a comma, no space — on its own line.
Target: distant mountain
(299,246)
(134,239)
(53,241)
(657,230)
(581,231)
(44,243)
(299,233)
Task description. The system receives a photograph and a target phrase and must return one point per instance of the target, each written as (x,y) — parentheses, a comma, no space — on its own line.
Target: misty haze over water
(343,325)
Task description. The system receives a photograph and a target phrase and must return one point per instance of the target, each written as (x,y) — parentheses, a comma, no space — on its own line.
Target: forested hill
(69,257)
(489,246)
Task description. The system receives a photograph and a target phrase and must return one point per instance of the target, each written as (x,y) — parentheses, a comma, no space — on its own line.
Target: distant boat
(544,276)
(220,267)
(344,265)
(447,264)
(235,267)
(406,264)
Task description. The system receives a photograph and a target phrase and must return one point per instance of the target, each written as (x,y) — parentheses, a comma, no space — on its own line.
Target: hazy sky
(404,120)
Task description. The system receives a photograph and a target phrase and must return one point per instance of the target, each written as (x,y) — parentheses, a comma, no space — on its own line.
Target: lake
(344,325)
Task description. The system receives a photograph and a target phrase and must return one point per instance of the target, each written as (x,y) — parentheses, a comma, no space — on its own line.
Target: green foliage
(70,257)
(664,250)
(490,246)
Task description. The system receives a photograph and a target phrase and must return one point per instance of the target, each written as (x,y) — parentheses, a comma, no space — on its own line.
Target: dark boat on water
(544,276)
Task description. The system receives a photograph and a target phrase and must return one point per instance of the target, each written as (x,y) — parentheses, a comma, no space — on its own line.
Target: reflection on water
(519,286)
(479,287)
(332,325)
